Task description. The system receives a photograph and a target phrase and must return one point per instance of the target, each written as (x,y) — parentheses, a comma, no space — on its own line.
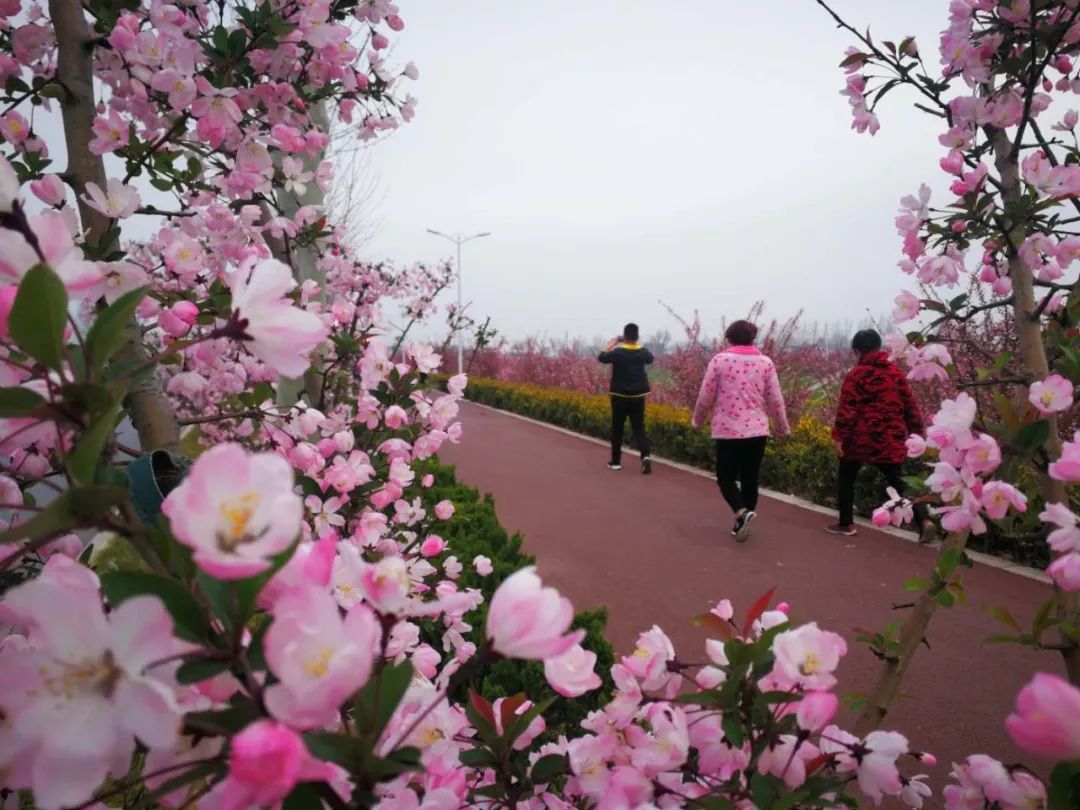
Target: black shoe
(742,525)
(614,466)
(646,466)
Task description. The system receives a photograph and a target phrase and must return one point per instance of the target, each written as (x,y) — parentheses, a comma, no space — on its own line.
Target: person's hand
(783,434)
(612,344)
(838,446)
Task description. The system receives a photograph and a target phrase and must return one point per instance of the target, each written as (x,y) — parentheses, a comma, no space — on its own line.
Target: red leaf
(757,609)
(817,762)
(482,707)
(508,709)
(715,625)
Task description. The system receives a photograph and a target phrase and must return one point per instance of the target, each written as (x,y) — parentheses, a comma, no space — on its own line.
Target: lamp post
(459,240)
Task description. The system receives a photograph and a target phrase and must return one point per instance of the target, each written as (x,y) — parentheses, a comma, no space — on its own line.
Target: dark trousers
(623,408)
(849,472)
(738,463)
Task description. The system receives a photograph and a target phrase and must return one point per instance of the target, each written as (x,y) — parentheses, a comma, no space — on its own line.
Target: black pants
(738,463)
(849,472)
(634,408)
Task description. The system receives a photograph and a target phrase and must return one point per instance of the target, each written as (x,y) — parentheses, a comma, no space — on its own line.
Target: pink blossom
(235,510)
(266,761)
(92,677)
(444,510)
(528,621)
(50,189)
(319,657)
(1065,571)
(649,661)
(1067,536)
(118,201)
(571,674)
(1067,467)
(907,307)
(816,710)
(807,656)
(723,610)
(787,758)
(482,565)
(80,277)
(110,134)
(916,446)
(998,496)
(1046,722)
(877,772)
(432,546)
(14,127)
(1051,395)
(395,417)
(279,334)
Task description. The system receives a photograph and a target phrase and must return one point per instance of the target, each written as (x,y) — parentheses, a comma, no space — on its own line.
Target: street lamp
(459,240)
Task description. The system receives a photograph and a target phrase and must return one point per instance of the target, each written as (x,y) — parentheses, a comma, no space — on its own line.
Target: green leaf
(110,329)
(39,315)
(18,401)
(733,730)
(304,796)
(1003,616)
(1064,792)
(83,460)
(1034,434)
(340,749)
(483,758)
(547,768)
(388,689)
(188,618)
(915,585)
(201,669)
(1042,618)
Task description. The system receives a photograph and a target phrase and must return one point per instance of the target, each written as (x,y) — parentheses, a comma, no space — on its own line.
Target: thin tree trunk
(151,412)
(1033,351)
(305,265)
(912,634)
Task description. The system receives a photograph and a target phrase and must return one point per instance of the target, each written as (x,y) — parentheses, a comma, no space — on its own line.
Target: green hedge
(473,530)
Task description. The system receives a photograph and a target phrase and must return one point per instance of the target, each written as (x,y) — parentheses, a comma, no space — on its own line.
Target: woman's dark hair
(866,340)
(630,332)
(741,333)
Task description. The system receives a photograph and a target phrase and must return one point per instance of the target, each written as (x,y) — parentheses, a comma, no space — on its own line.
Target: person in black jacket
(629,388)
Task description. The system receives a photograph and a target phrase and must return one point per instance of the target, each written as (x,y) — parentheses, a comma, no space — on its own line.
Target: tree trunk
(1033,352)
(305,265)
(912,634)
(151,412)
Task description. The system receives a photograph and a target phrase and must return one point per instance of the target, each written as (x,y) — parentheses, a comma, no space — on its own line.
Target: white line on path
(908,537)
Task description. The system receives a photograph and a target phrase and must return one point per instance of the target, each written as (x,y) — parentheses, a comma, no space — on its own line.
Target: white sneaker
(612,466)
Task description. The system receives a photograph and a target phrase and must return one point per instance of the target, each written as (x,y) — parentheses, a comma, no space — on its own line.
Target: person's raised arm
(774,402)
(647,356)
(607,356)
(707,395)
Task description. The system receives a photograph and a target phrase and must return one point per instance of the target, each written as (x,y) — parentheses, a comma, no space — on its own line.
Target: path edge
(908,537)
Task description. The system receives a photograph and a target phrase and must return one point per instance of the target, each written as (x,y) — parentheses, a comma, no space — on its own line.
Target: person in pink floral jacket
(739,394)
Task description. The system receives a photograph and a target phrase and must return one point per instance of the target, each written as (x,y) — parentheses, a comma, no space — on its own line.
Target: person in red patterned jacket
(876,414)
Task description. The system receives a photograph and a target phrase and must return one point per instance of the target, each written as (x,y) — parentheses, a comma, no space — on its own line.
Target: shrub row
(803,465)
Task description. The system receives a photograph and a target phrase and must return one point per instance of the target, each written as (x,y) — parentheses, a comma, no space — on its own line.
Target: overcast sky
(624,152)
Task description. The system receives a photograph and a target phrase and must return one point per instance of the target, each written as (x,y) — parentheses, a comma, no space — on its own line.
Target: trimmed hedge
(803,465)
(473,530)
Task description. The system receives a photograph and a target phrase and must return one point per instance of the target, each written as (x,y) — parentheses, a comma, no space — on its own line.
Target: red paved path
(657,550)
